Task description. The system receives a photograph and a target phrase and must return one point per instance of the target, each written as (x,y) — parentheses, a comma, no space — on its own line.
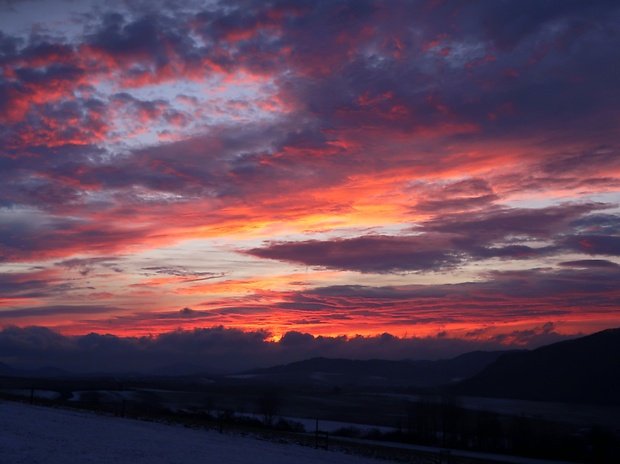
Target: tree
(269,405)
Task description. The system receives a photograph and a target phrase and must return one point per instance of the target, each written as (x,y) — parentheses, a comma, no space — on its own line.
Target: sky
(271,180)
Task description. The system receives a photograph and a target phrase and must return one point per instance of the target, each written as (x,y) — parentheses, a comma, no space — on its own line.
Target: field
(400,425)
(34,434)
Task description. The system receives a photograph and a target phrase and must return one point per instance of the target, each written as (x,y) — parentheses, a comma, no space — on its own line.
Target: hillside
(375,372)
(8,371)
(582,370)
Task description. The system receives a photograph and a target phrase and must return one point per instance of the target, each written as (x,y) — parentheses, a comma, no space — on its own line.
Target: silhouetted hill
(48,372)
(324,371)
(8,371)
(582,370)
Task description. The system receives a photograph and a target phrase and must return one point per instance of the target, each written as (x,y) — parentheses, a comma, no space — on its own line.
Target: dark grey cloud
(589,279)
(455,204)
(181,271)
(592,244)
(499,222)
(452,239)
(149,112)
(587,263)
(87,265)
(597,285)
(42,311)
(35,283)
(540,335)
(589,170)
(574,164)
(31,341)
(510,22)
(216,349)
(608,224)
(30,235)
(149,42)
(329,101)
(9,46)
(54,74)
(462,195)
(366,254)
(538,95)
(184,313)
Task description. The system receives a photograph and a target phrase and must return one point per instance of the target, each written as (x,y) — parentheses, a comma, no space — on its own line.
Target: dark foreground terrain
(368,401)
(555,431)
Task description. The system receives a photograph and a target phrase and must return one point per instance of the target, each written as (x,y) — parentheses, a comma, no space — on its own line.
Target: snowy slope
(33,434)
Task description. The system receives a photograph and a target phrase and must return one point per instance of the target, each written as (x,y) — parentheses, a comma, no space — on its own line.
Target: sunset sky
(353,178)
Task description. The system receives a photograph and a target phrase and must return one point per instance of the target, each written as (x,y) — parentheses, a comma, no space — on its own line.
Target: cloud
(366,254)
(495,223)
(178,274)
(595,244)
(185,313)
(218,349)
(46,311)
(33,284)
(140,50)
(30,341)
(29,235)
(506,289)
(588,263)
(449,240)
(87,265)
(461,195)
(515,22)
(538,336)
(367,91)
(565,295)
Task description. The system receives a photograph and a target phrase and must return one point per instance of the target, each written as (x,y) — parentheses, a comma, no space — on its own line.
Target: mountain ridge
(378,372)
(580,370)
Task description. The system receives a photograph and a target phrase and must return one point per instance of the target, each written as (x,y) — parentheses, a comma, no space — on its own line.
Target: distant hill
(315,371)
(380,373)
(582,370)
(8,371)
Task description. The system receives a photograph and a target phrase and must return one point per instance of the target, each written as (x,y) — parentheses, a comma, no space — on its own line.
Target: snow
(34,434)
(39,394)
(332,426)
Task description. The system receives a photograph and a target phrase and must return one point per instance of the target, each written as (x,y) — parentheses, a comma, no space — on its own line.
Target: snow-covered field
(35,434)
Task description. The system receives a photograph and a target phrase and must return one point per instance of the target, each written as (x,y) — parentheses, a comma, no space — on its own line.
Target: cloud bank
(221,350)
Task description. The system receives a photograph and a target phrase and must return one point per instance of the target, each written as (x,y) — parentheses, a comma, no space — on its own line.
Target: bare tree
(269,405)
